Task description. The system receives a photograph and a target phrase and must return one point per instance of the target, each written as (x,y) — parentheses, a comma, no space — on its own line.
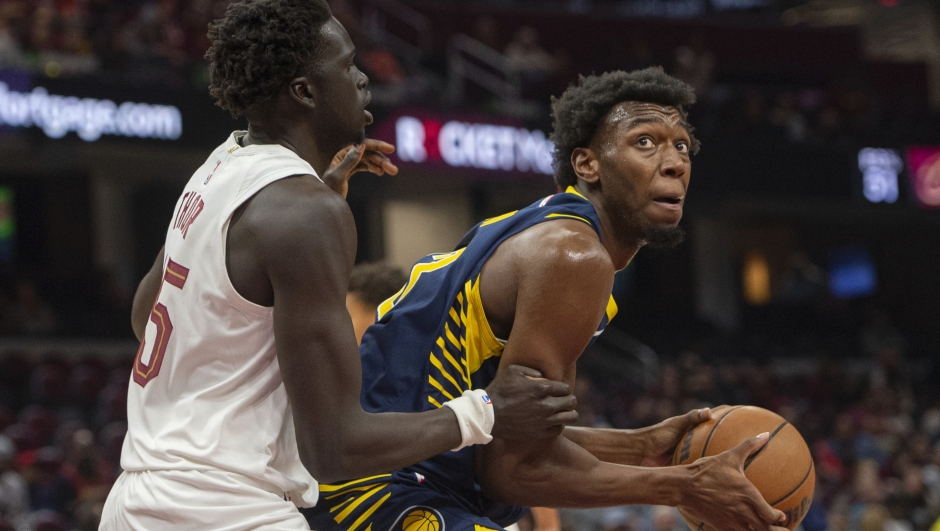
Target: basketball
(782,470)
(420,520)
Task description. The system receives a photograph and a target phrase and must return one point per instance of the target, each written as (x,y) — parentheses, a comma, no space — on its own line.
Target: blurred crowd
(872,423)
(142,42)
(161,43)
(62,424)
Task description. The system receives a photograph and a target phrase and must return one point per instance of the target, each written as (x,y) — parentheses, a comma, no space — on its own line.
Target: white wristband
(474,411)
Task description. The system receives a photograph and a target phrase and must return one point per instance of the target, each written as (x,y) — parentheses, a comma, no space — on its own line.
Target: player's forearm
(624,447)
(565,475)
(383,442)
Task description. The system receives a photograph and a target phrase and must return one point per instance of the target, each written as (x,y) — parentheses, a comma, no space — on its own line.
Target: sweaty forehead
(627,113)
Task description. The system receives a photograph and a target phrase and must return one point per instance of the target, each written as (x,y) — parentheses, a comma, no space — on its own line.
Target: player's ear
(585,164)
(301,89)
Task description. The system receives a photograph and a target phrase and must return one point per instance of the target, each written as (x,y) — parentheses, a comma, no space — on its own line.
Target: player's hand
(369,156)
(528,406)
(660,440)
(720,496)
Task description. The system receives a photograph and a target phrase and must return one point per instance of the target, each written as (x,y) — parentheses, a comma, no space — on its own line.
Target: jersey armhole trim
(236,299)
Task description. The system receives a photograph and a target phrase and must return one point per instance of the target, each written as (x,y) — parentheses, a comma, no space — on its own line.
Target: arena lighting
(473,145)
(88,117)
(880,169)
(923,163)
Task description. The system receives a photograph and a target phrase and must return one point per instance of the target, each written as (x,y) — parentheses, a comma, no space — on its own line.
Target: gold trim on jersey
(356,482)
(465,343)
(572,190)
(570,216)
(437,261)
(611,310)
(497,219)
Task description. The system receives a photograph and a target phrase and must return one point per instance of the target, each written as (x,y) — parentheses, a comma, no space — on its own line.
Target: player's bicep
(559,304)
(307,249)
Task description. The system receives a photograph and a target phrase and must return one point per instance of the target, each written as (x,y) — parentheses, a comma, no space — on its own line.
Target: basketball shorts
(401,501)
(185,500)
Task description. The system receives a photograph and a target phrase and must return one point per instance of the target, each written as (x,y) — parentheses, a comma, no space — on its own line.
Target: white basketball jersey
(206,390)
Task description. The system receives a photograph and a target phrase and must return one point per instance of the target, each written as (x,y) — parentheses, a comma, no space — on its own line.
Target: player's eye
(683,147)
(644,141)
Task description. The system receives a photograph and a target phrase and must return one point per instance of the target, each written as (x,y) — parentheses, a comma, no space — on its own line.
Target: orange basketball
(782,470)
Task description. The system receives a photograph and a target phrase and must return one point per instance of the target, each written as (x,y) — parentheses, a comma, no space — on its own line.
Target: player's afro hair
(259,46)
(582,107)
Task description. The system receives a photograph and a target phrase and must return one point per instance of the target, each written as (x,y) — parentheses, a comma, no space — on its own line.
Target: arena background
(808,285)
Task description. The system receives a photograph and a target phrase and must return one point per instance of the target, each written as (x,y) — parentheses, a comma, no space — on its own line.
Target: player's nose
(674,164)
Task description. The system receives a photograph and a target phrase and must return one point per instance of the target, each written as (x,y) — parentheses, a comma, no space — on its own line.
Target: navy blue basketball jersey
(431,342)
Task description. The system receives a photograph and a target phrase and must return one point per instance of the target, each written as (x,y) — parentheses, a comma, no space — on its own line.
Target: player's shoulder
(562,246)
(295,208)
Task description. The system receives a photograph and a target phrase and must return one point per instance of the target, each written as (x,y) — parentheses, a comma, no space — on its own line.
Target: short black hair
(259,46)
(373,283)
(582,107)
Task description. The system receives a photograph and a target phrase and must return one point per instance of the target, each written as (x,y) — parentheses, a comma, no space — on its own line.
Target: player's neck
(295,139)
(620,247)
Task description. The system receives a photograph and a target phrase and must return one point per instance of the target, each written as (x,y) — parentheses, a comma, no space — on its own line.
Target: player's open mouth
(670,202)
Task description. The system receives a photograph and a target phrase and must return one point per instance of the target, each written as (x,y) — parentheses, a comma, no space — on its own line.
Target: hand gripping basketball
(719,497)
(781,470)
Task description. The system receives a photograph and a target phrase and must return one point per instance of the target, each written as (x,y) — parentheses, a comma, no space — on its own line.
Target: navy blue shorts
(402,501)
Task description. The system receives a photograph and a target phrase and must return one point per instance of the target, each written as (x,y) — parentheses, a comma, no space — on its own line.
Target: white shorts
(199,501)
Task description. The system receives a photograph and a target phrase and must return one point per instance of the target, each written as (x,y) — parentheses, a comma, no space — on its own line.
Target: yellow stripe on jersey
(340,486)
(437,363)
(460,369)
(450,336)
(347,491)
(478,527)
(611,309)
(359,501)
(368,513)
(437,385)
(572,190)
(440,260)
(340,506)
(498,218)
(481,342)
(569,216)
(466,347)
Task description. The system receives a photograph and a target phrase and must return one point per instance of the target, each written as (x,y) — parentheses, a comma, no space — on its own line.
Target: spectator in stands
(11,52)
(14,493)
(29,313)
(48,488)
(369,286)
(695,65)
(535,65)
(486,30)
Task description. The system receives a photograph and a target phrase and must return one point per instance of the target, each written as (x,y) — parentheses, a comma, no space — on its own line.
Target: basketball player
(534,287)
(224,429)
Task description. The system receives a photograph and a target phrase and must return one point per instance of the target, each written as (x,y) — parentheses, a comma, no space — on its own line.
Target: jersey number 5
(175,275)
